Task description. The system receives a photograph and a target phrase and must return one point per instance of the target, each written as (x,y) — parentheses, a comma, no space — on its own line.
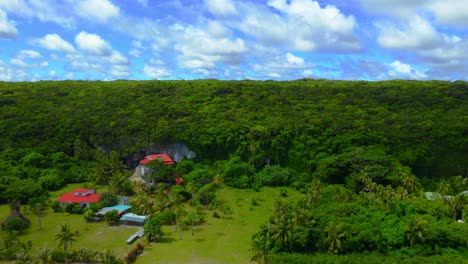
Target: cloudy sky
(230,39)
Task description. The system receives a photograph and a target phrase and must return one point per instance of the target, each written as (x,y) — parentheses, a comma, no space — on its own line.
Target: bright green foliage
(153,230)
(65,237)
(112,217)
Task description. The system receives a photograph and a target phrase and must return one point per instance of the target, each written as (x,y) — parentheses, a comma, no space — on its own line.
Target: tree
(153,229)
(335,237)
(108,199)
(142,204)
(112,217)
(260,249)
(416,228)
(45,254)
(65,237)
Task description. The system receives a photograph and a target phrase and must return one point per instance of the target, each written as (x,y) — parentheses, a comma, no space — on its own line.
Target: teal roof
(133,217)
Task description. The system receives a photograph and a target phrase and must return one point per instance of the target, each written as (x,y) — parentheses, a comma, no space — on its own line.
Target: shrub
(16,224)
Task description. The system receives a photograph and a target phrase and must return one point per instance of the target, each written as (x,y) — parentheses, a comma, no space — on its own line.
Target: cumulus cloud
(155,72)
(198,49)
(28,54)
(92,43)
(402,70)
(302,25)
(43,10)
(453,12)
(7,29)
(56,43)
(97,10)
(19,63)
(417,33)
(221,7)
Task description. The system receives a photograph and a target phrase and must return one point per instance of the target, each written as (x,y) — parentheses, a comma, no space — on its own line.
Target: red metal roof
(162,157)
(72,198)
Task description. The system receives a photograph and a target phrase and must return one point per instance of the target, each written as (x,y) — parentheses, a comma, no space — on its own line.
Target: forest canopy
(311,126)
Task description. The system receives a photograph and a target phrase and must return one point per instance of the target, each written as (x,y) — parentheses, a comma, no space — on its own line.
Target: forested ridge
(362,153)
(296,124)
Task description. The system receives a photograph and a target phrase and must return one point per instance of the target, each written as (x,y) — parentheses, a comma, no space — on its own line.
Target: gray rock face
(177,151)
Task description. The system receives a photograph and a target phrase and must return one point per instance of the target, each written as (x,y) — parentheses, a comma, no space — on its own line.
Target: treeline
(297,124)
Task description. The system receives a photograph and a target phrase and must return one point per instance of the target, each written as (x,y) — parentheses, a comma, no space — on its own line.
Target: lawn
(218,240)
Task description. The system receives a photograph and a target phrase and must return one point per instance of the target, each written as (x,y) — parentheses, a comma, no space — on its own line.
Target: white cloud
(43,10)
(7,29)
(55,42)
(117,58)
(156,72)
(28,54)
(44,64)
(92,43)
(301,25)
(399,69)
(52,73)
(199,49)
(307,73)
(293,60)
(453,12)
(221,7)
(97,10)
(417,33)
(18,63)
(119,71)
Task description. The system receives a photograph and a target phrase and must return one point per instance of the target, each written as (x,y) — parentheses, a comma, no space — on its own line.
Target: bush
(108,199)
(16,224)
(56,207)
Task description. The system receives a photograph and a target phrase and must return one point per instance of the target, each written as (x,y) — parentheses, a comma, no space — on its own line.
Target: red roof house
(83,197)
(162,157)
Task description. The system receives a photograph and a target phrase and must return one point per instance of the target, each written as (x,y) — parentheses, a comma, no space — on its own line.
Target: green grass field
(216,241)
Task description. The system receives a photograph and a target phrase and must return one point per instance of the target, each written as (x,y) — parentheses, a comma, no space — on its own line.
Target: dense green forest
(362,152)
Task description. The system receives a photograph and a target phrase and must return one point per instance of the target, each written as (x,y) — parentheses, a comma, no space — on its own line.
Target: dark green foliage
(108,199)
(16,224)
(112,217)
(153,229)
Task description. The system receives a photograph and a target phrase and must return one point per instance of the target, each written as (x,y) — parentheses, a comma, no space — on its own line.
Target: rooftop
(161,156)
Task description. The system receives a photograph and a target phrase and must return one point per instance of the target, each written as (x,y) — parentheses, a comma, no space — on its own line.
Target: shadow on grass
(167,240)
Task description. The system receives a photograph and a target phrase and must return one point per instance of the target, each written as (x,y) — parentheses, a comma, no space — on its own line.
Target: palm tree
(65,237)
(335,237)
(314,193)
(260,249)
(415,229)
(410,183)
(142,204)
(456,205)
(45,254)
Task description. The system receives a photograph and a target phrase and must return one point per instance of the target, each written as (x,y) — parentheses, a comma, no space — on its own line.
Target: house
(83,197)
(162,157)
(120,208)
(142,171)
(133,219)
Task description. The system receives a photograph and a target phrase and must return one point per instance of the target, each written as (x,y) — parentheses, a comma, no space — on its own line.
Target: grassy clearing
(218,240)
(97,236)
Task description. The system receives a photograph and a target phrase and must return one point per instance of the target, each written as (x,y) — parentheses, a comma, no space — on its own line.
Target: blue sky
(228,39)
